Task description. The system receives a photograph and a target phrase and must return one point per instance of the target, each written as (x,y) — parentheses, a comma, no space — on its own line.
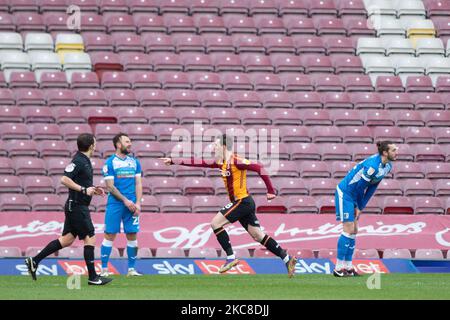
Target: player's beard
(125,151)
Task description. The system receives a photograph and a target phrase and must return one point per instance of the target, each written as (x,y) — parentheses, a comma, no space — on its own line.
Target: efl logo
(213,266)
(368,266)
(79,267)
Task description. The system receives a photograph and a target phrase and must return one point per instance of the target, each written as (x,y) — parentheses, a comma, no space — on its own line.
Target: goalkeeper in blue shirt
(123,179)
(351,197)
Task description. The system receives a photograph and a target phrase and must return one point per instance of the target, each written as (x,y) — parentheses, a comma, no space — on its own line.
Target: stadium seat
(377,118)
(174,203)
(206,204)
(408,118)
(269,206)
(366,254)
(71,252)
(396,254)
(286,62)
(302,204)
(389,187)
(397,205)
(436,170)
(10,184)
(309,45)
(204,80)
(17,148)
(428,205)
(38,184)
(442,188)
(393,134)
(33,251)
(300,82)
(14,202)
(429,254)
(356,135)
(240,253)
(407,170)
(327,254)
(170,253)
(142,253)
(356,82)
(10,252)
(336,100)
(262,253)
(45,202)
(302,253)
(366,100)
(203,253)
(426,152)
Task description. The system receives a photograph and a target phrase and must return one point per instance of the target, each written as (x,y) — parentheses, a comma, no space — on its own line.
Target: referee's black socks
(89,259)
(52,247)
(224,240)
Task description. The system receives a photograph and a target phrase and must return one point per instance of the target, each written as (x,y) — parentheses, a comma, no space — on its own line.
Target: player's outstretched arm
(192,162)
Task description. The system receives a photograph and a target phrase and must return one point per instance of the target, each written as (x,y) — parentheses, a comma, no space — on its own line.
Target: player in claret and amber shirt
(241,207)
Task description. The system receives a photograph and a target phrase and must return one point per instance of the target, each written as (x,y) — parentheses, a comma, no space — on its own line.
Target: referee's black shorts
(242,210)
(78,221)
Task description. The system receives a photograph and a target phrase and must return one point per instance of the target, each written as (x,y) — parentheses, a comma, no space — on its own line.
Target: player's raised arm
(192,162)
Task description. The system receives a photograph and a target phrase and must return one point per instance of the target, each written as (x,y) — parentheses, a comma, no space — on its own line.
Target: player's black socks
(89,259)
(52,247)
(273,246)
(224,240)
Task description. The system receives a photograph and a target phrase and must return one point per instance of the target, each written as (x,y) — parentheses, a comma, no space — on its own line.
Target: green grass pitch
(231,287)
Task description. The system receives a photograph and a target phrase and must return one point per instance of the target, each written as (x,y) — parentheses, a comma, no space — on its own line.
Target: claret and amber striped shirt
(234,174)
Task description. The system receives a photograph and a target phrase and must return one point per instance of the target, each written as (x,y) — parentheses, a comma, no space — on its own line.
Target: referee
(78,178)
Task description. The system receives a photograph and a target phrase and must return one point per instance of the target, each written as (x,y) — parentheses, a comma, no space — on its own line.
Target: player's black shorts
(243,210)
(78,221)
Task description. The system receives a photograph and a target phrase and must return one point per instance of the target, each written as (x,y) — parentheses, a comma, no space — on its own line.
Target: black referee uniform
(78,220)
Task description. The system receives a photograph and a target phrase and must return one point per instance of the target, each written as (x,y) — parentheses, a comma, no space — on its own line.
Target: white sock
(232,257)
(348,264)
(340,264)
(286,259)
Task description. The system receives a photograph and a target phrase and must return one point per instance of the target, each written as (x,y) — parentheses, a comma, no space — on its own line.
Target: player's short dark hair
(226,141)
(117,138)
(85,141)
(383,146)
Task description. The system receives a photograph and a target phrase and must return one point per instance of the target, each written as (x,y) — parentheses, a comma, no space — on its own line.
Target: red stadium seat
(238,252)
(10,184)
(390,187)
(262,253)
(302,204)
(170,253)
(407,170)
(206,204)
(203,253)
(366,254)
(396,254)
(429,254)
(436,170)
(327,254)
(389,84)
(248,43)
(321,186)
(45,202)
(408,118)
(175,203)
(339,169)
(263,205)
(428,205)
(302,253)
(38,184)
(346,118)
(17,148)
(14,202)
(33,251)
(10,252)
(334,152)
(326,204)
(397,205)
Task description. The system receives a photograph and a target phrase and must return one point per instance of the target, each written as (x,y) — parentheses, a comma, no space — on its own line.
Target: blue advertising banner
(54,267)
